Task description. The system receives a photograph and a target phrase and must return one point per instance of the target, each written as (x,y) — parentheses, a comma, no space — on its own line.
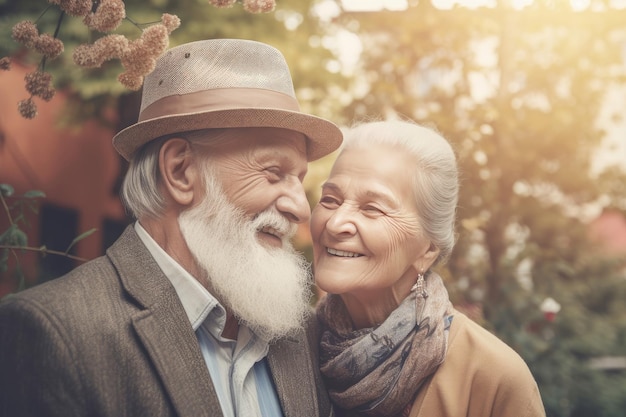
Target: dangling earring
(418,287)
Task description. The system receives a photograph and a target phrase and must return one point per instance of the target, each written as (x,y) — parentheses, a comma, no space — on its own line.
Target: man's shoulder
(83,282)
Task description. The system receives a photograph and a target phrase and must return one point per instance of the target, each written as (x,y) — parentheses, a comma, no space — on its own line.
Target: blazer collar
(164,329)
(290,362)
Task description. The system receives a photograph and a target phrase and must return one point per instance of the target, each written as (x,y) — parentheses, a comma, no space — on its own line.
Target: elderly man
(201,308)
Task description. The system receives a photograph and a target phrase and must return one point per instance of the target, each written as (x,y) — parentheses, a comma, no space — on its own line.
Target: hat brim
(323,136)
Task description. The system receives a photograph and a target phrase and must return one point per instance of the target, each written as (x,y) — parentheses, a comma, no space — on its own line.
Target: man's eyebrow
(330,185)
(271,156)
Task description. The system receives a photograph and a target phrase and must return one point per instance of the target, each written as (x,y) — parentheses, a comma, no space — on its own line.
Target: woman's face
(366,234)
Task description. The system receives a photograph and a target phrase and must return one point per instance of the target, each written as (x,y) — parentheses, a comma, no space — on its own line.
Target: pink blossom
(87,56)
(112,46)
(27,108)
(170,21)
(47,45)
(106,48)
(138,60)
(26,33)
(259,6)
(138,57)
(5,63)
(107,16)
(222,3)
(155,39)
(130,81)
(78,8)
(39,83)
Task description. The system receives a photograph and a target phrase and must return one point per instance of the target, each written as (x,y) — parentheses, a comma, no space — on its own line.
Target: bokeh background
(530,93)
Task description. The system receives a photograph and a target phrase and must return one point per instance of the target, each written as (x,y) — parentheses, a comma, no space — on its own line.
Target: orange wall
(75,167)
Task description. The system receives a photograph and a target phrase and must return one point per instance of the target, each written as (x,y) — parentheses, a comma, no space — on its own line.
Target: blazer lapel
(291,367)
(178,362)
(164,330)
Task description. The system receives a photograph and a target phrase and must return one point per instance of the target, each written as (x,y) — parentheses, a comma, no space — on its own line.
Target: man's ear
(178,170)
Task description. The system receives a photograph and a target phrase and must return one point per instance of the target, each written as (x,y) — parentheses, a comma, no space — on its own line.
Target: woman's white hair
(140,192)
(435,173)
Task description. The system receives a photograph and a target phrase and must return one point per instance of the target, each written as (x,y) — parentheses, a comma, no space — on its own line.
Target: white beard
(268,290)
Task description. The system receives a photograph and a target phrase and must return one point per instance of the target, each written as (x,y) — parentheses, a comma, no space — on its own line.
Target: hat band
(218,99)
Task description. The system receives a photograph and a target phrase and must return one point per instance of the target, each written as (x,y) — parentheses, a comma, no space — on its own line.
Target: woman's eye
(373,210)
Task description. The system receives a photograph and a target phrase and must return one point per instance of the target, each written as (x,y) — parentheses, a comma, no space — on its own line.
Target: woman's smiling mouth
(342,253)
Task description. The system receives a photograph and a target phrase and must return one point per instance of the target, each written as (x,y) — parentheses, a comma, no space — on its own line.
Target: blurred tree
(291,27)
(518,93)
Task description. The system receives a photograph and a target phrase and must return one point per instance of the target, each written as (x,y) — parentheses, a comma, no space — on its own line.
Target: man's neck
(166,233)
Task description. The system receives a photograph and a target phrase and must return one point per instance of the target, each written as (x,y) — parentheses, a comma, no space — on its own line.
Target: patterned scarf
(378,371)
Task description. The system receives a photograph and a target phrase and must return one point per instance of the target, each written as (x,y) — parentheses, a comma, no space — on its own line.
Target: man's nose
(293,203)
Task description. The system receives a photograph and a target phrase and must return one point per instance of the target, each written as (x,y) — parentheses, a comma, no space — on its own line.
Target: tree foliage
(290,28)
(518,94)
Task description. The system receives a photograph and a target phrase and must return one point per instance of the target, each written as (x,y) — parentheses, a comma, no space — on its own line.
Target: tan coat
(481,377)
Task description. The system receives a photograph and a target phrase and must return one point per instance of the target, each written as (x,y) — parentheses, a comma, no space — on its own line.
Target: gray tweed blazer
(111,338)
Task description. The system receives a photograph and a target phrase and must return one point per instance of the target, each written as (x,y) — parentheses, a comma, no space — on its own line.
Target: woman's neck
(370,311)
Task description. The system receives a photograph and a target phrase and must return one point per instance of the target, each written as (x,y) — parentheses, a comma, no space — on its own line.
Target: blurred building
(77,169)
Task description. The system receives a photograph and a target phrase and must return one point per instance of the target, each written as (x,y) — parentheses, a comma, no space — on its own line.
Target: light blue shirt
(238,368)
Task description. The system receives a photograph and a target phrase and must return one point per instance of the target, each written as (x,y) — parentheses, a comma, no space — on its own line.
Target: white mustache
(276,221)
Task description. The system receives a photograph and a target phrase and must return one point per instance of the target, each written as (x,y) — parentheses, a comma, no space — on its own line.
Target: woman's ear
(178,170)
(427,259)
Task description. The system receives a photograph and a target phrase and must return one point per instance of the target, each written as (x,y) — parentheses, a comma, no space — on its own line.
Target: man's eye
(273,173)
(329,202)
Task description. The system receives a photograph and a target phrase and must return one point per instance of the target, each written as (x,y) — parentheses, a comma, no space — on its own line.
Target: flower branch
(252,6)
(137,57)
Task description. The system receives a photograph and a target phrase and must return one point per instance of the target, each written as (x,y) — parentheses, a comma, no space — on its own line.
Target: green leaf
(5,237)
(34,194)
(20,238)
(13,236)
(6,190)
(79,238)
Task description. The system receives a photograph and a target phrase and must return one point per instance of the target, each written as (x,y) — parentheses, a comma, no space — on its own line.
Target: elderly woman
(392,343)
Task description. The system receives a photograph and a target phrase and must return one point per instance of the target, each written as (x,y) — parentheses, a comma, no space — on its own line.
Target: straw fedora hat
(223,83)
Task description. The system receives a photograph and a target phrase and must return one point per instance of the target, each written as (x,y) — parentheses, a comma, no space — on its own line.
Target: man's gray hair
(140,192)
(435,174)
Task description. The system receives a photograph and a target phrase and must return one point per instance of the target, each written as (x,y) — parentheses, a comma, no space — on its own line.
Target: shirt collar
(196,300)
